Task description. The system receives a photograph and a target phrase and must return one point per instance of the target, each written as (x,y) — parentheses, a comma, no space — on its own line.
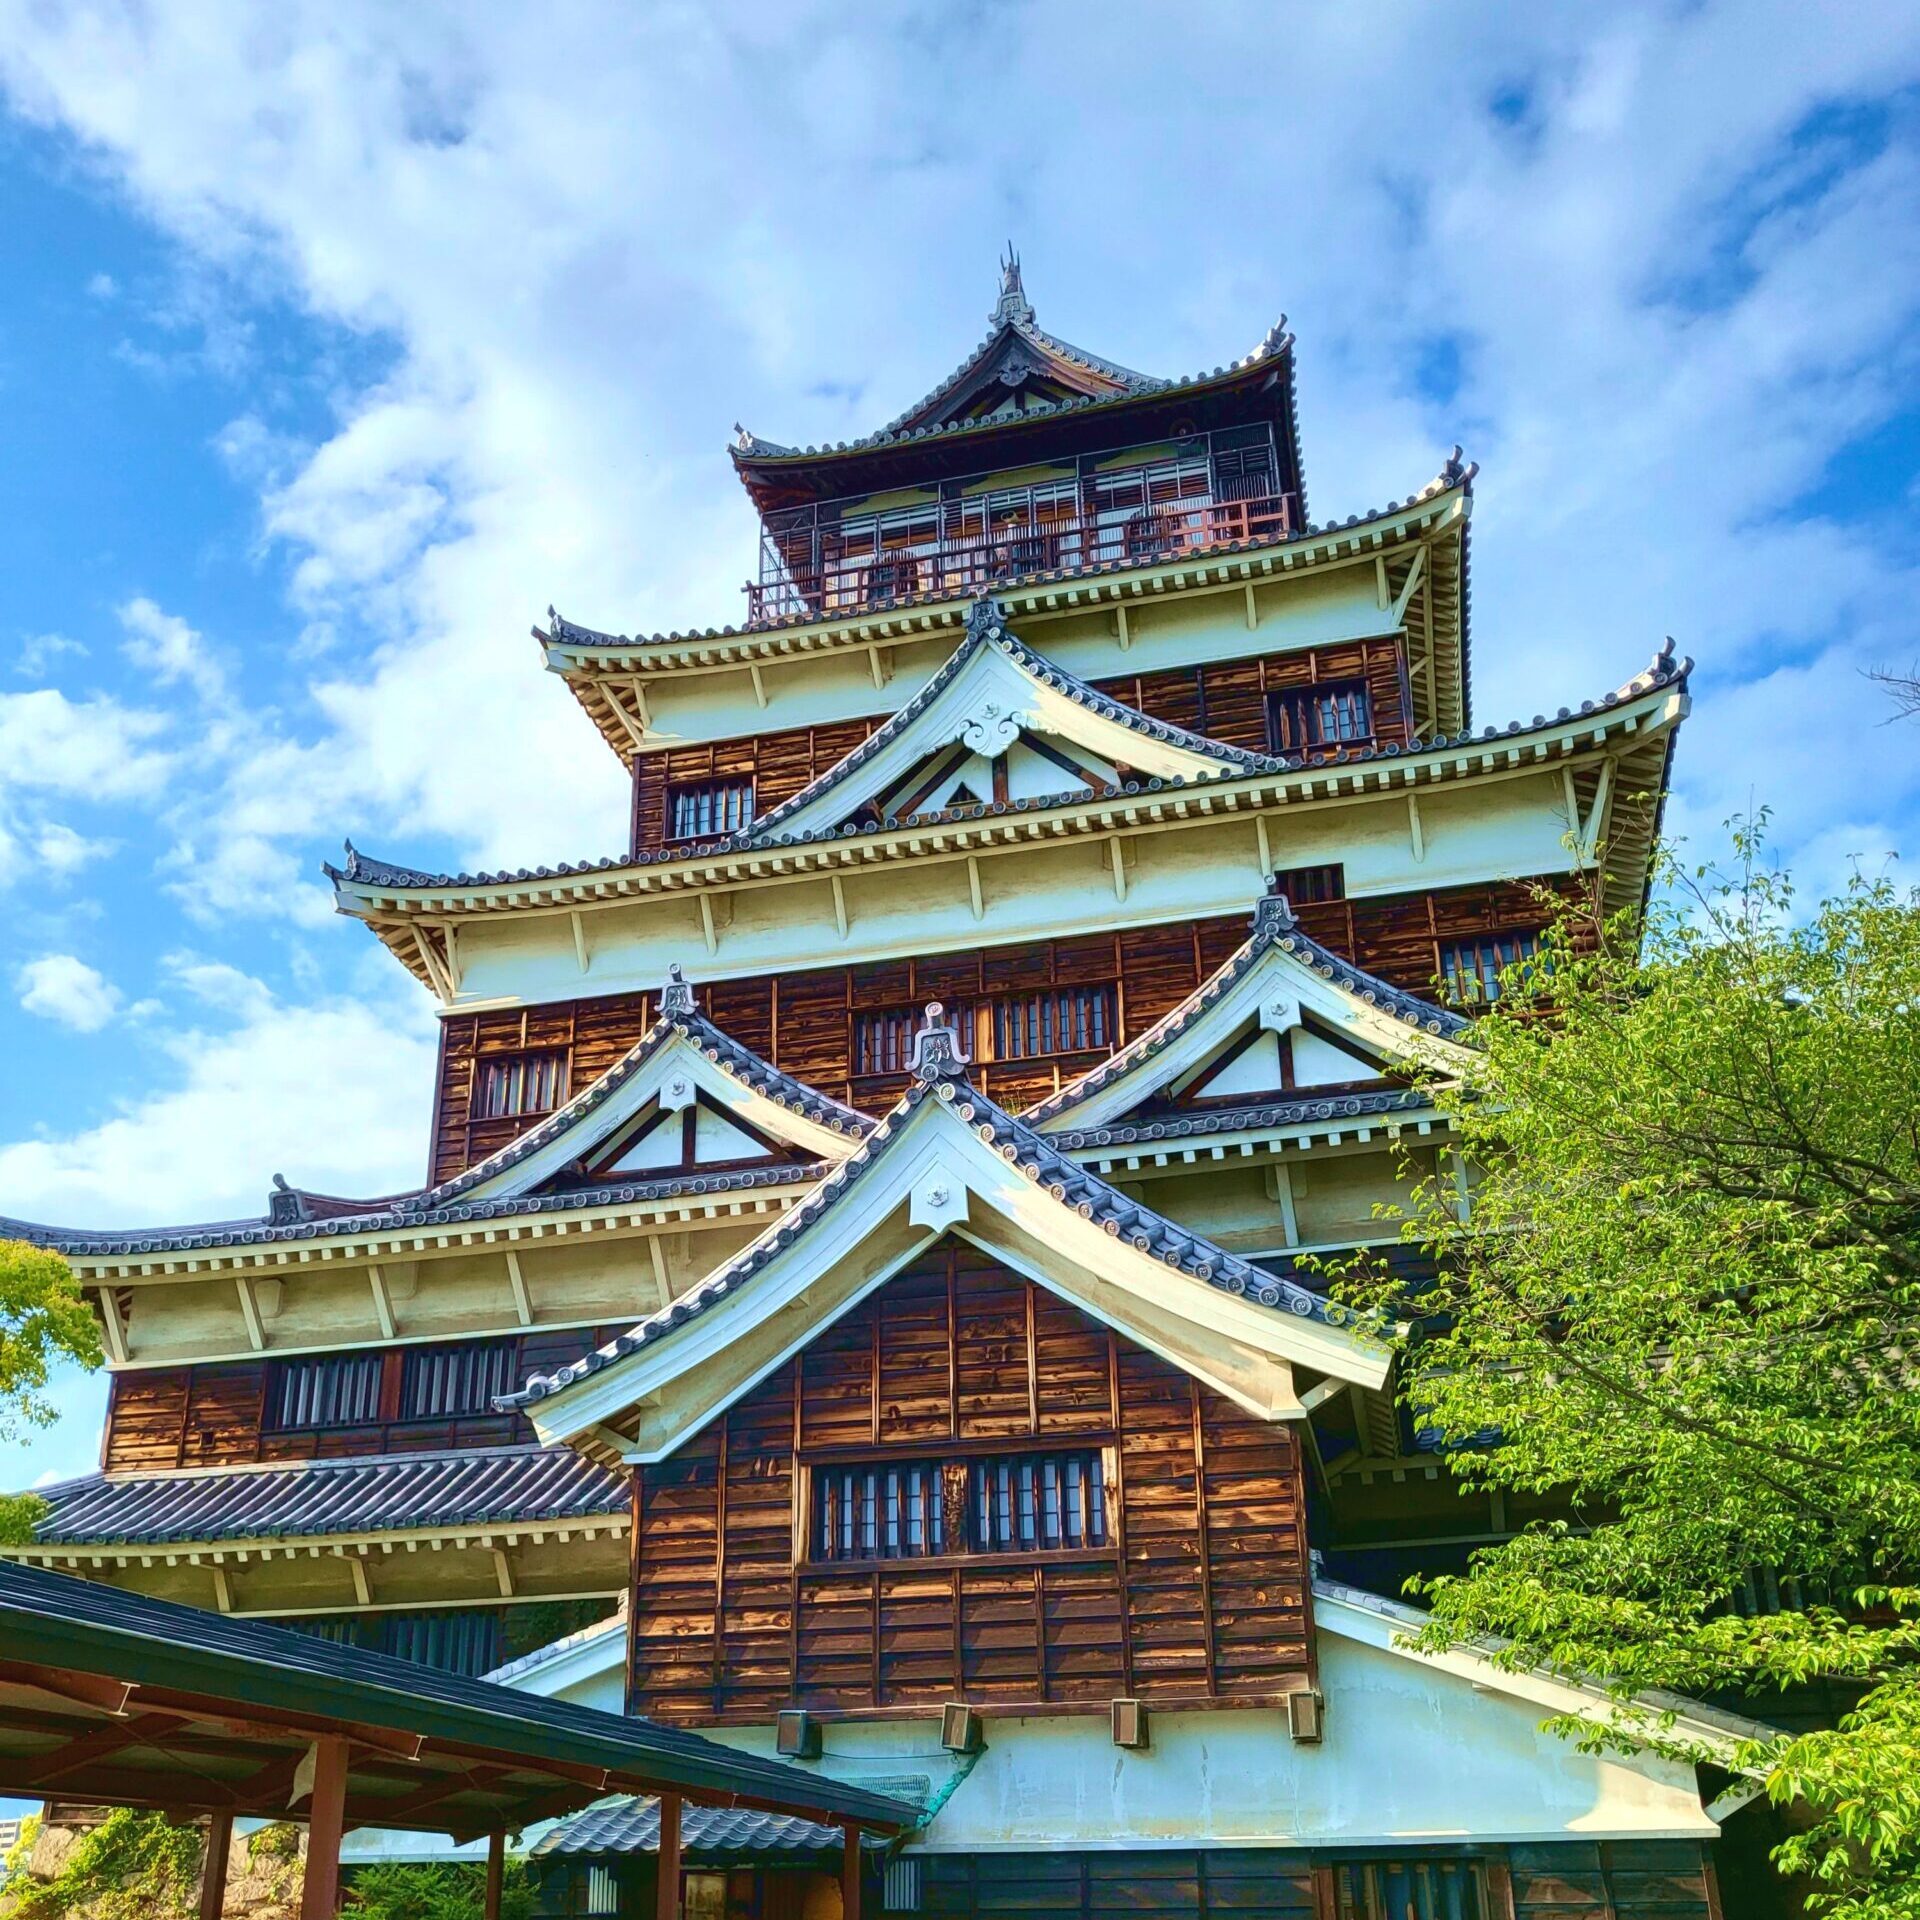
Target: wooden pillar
(496,1871)
(326,1823)
(213,1874)
(666,1892)
(850,1873)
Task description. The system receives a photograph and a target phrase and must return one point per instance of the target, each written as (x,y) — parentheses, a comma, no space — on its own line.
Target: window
(1330,714)
(1470,969)
(1410,1890)
(911,1510)
(1059,1020)
(468,1642)
(1019,1026)
(1309,886)
(699,809)
(439,1381)
(329,1390)
(517,1083)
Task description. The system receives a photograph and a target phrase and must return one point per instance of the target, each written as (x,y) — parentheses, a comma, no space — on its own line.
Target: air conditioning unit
(798,1735)
(1306,1716)
(960,1729)
(1129,1724)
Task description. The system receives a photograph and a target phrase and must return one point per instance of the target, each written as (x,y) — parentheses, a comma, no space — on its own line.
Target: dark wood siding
(1615,1880)
(804,1022)
(159,1418)
(1226,700)
(1199,1597)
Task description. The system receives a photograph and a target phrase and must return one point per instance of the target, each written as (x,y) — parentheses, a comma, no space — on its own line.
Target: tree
(43,1320)
(1687,1302)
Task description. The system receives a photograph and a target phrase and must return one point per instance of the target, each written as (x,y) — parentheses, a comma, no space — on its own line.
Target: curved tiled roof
(136,1242)
(315,1498)
(1663,671)
(709,1836)
(1273,926)
(679,1015)
(940,1075)
(987,628)
(1255,1117)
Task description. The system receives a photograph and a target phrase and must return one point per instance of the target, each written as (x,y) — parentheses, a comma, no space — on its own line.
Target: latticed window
(1056,1020)
(1411,1890)
(1470,969)
(701,809)
(1011,1503)
(1329,714)
(440,1381)
(325,1390)
(1039,1500)
(517,1083)
(1310,886)
(883,1041)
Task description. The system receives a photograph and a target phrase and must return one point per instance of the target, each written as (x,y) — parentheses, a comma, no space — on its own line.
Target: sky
(338,341)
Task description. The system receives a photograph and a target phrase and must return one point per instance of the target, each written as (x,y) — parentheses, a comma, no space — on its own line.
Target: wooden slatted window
(1470,969)
(1038,1501)
(1058,1020)
(883,1041)
(325,1390)
(1411,1890)
(1333,713)
(890,1512)
(1310,886)
(466,1378)
(700,809)
(517,1083)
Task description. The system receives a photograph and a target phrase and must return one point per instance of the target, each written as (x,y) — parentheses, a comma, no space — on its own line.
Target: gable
(1282,1017)
(1029,766)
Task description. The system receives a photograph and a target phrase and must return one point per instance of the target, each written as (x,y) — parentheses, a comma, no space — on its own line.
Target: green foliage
(132,1866)
(20,1513)
(43,1319)
(1688,1304)
(14,1860)
(449,1890)
(273,1857)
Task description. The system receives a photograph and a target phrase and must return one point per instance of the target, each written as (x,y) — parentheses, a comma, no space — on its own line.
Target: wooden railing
(826,571)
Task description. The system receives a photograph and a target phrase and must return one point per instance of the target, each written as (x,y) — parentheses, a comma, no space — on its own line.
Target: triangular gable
(1282,1018)
(1018,365)
(996,697)
(684,1096)
(948,1160)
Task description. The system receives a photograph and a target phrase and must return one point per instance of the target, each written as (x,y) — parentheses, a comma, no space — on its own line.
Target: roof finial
(986,617)
(1013,303)
(936,1049)
(676,996)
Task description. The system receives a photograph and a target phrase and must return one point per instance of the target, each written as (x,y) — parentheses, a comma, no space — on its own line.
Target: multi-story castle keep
(857,1296)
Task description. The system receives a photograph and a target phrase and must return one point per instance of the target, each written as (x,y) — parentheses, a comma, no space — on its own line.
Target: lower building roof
(406,1492)
(709,1836)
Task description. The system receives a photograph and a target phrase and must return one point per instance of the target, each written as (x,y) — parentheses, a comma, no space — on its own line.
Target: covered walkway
(108,1697)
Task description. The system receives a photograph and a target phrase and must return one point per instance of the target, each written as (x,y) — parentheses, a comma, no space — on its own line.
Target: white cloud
(333,1093)
(166,647)
(38,652)
(62,987)
(102,286)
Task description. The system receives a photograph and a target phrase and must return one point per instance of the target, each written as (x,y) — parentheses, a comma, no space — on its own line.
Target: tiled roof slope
(940,1074)
(316,1498)
(709,1836)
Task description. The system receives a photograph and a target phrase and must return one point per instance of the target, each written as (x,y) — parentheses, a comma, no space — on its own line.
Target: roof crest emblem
(936,1049)
(676,995)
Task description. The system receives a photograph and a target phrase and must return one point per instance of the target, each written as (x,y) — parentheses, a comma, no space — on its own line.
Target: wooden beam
(382,1302)
(105,1741)
(760,696)
(1253,611)
(522,1300)
(706,924)
(503,1573)
(666,1892)
(213,1870)
(1120,628)
(580,952)
(444,1787)
(839,905)
(1597,813)
(497,1839)
(974,894)
(84,1689)
(113,1328)
(1415,832)
(326,1822)
(1119,866)
(1399,614)
(362,1591)
(850,1872)
(660,1278)
(250,1313)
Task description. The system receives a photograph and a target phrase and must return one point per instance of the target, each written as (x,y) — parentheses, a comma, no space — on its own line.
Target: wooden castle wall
(804,1021)
(1225,700)
(1198,1597)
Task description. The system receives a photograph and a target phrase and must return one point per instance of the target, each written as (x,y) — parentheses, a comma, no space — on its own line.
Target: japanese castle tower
(856,1305)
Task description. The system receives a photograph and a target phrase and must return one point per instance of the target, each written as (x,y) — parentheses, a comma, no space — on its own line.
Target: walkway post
(326,1822)
(850,1873)
(666,1894)
(213,1874)
(496,1870)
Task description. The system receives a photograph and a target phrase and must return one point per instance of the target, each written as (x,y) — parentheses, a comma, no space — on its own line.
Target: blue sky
(336,342)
